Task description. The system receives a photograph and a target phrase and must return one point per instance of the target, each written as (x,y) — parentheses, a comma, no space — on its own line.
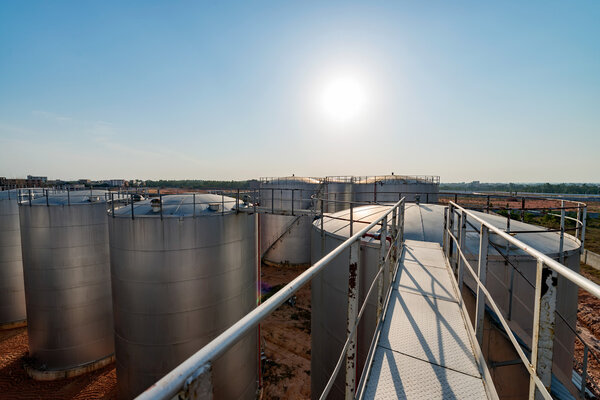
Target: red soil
(16,384)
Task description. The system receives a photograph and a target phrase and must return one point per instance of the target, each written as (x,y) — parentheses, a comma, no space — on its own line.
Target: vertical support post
(353,280)
(578,221)
(47,199)
(445,235)
(462,230)
(237,202)
(561,253)
(30,198)
(375,191)
(351,219)
(382,266)
(394,253)
(132,217)
(583,228)
(402,209)
(456,198)
(544,324)
(488,204)
(272,201)
(68,196)
(222,204)
(584,371)
(482,275)
(450,230)
(112,204)
(194,205)
(292,202)
(522,209)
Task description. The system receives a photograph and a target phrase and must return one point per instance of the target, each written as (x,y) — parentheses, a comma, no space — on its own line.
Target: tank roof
(425,222)
(63,197)
(181,205)
(289,179)
(12,194)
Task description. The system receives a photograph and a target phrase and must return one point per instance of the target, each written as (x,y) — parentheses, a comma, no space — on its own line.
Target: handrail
(545,301)
(196,365)
(574,277)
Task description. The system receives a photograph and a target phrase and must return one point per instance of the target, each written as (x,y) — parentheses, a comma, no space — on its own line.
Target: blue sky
(503,91)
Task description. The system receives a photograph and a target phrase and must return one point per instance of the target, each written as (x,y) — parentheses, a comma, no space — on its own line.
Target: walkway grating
(424,350)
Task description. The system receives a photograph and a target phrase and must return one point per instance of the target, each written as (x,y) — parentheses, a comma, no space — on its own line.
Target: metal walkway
(424,349)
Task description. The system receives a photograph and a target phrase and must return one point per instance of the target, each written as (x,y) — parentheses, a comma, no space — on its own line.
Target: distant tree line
(568,188)
(197,184)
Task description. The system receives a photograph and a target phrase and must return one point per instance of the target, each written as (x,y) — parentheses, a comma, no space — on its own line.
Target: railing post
(292,202)
(544,314)
(461,246)
(194,205)
(561,252)
(488,204)
(394,252)
(583,228)
(482,275)
(382,266)
(522,209)
(445,235)
(402,209)
(578,221)
(353,280)
(450,230)
(112,204)
(584,371)
(272,201)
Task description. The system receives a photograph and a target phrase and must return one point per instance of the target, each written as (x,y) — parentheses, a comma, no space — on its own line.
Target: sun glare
(343,99)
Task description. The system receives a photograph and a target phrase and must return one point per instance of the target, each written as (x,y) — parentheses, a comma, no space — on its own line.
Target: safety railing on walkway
(193,378)
(539,366)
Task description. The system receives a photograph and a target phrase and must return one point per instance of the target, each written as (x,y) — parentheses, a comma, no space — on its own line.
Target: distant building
(84,181)
(37,178)
(115,182)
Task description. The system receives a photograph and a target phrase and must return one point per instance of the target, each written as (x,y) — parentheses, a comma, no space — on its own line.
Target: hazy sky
(489,91)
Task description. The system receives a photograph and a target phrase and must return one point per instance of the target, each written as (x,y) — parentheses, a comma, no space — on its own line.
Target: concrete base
(53,375)
(13,325)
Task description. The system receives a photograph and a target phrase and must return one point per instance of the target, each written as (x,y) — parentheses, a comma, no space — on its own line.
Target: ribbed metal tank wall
(339,193)
(425,222)
(12,292)
(390,188)
(285,239)
(178,281)
(67,279)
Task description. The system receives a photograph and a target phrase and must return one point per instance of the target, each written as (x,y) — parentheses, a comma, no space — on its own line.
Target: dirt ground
(15,384)
(286,338)
(588,327)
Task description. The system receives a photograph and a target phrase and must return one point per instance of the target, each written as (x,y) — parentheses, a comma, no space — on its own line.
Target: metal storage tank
(183,271)
(67,282)
(390,188)
(425,222)
(12,292)
(338,192)
(285,239)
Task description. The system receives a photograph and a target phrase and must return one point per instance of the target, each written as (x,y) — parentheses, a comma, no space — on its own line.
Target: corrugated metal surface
(67,281)
(12,292)
(178,282)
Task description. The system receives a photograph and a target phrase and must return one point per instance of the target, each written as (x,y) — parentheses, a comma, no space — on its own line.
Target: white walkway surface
(424,350)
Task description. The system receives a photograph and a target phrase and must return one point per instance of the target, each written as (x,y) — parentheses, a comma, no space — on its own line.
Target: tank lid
(286,180)
(12,194)
(425,222)
(62,197)
(181,205)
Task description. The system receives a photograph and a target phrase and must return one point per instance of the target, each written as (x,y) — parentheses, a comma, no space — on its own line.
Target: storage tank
(12,292)
(425,222)
(338,192)
(66,268)
(285,239)
(183,271)
(391,188)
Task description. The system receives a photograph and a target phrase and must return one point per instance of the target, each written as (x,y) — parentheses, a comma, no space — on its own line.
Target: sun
(343,99)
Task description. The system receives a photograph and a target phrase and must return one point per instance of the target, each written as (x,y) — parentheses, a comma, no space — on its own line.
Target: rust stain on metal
(352,278)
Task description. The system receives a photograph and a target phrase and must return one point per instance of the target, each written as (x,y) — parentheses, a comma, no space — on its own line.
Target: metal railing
(192,378)
(539,366)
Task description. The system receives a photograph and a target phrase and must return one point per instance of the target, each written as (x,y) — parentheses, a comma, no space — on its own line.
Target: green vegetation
(198,184)
(565,188)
